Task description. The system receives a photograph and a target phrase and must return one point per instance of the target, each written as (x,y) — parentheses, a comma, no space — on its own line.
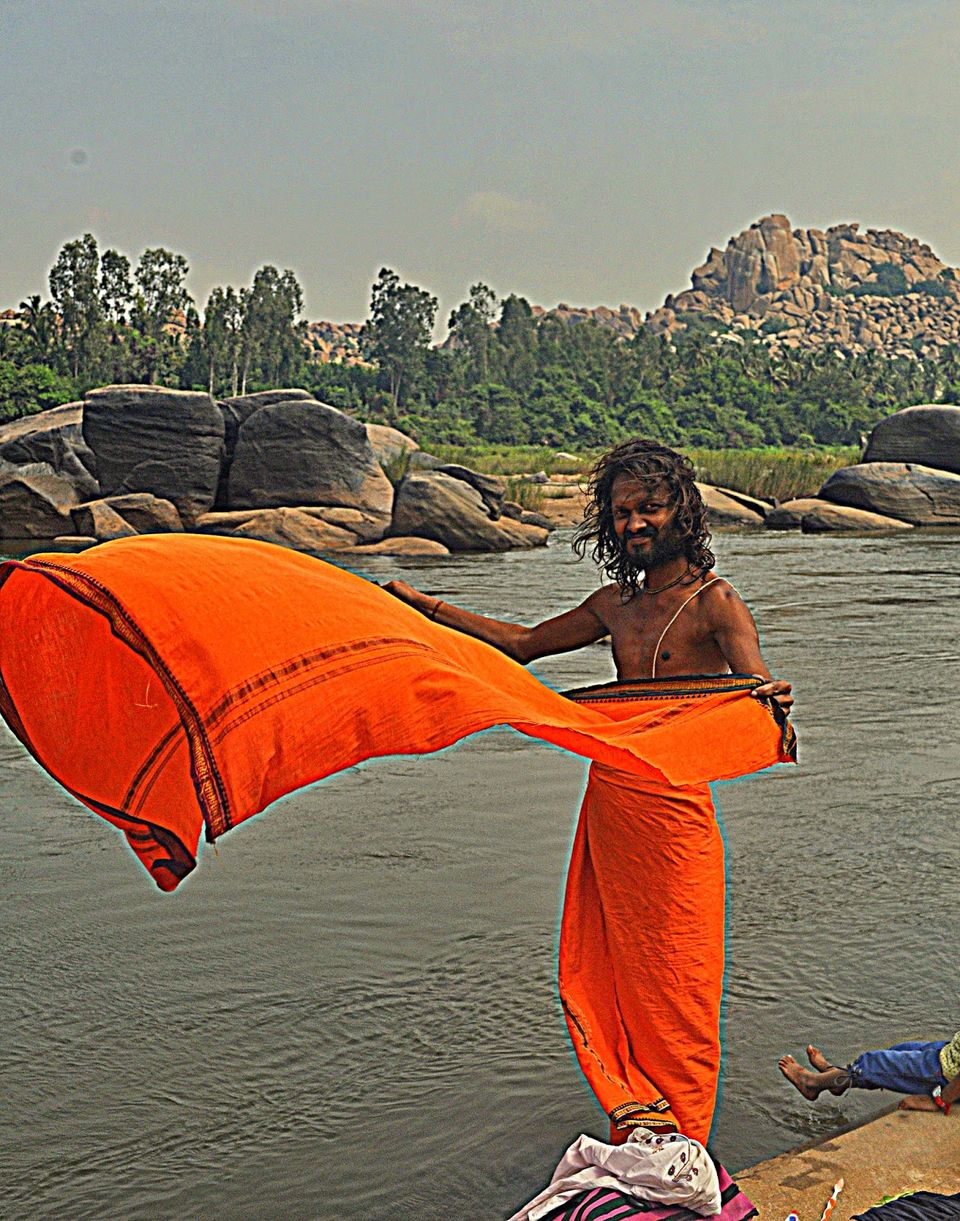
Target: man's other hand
(777,689)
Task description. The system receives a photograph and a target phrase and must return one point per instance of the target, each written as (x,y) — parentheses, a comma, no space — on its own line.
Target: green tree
(397,334)
(116,286)
(220,338)
(470,328)
(271,334)
(74,288)
(40,327)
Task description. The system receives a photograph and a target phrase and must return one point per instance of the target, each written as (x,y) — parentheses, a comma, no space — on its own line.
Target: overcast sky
(580,152)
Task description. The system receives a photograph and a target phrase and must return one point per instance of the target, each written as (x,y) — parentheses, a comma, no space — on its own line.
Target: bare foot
(817,1058)
(800,1077)
(917,1102)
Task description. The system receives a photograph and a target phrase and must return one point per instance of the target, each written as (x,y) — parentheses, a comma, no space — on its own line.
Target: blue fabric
(907,1068)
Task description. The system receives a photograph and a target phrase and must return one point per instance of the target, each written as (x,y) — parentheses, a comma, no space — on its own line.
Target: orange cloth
(175,683)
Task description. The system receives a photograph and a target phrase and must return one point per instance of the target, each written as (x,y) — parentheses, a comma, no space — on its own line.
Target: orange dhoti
(641,951)
(179,684)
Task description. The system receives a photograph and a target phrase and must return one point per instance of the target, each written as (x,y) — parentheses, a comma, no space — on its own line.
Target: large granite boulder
(54,437)
(399,546)
(790,514)
(815,516)
(35,502)
(388,443)
(492,490)
(149,439)
(307,453)
(452,512)
(914,493)
(283,526)
(724,510)
(928,434)
(824,517)
(96,519)
(143,513)
(236,411)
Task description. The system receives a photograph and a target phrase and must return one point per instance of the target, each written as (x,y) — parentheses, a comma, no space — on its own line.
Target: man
(927,1072)
(641,943)
(646,524)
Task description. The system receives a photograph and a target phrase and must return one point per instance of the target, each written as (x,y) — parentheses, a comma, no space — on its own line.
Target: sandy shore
(895,1152)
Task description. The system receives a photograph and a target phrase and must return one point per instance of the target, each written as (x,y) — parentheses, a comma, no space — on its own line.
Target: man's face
(643,514)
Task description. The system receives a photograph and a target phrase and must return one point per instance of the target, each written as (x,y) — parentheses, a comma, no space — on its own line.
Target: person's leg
(811,1085)
(907,1068)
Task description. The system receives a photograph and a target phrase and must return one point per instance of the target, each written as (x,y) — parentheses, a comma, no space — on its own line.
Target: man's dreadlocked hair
(650,463)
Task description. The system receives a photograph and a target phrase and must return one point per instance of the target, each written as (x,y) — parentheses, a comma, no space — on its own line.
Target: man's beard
(666,546)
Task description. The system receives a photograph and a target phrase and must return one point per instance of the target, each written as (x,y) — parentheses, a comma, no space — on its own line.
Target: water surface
(349,1008)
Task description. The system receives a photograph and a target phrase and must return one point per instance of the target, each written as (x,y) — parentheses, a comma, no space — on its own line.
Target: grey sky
(587,153)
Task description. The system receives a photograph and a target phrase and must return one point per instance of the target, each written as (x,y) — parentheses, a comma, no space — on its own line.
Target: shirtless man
(642,930)
(645,523)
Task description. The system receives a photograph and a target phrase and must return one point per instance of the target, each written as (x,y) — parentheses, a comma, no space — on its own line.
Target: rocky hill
(807,288)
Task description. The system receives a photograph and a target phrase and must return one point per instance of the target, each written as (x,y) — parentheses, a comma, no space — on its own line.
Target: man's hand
(424,603)
(777,689)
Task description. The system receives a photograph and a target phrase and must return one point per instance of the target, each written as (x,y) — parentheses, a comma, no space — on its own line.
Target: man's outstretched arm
(571,630)
(736,634)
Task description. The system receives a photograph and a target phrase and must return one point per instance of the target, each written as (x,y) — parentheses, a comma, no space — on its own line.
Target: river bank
(893,1153)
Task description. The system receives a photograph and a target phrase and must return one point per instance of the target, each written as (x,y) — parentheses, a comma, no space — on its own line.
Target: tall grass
(779,474)
(513,459)
(770,474)
(529,495)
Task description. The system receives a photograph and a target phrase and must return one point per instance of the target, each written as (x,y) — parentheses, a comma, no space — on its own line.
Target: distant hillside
(806,288)
(790,288)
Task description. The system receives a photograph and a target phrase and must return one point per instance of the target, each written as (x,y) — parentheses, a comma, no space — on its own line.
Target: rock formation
(813,288)
(277,466)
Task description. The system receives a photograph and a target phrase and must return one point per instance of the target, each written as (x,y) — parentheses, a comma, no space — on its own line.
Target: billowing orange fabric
(180,683)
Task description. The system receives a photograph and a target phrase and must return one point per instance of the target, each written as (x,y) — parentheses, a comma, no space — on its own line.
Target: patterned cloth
(950,1058)
(601,1204)
(920,1206)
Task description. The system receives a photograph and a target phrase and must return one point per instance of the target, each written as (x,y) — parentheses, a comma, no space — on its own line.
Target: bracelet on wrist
(436,607)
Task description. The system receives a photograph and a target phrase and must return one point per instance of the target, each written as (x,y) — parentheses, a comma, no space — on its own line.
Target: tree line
(504,374)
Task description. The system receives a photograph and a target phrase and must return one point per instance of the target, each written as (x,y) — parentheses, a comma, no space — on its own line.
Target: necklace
(670,584)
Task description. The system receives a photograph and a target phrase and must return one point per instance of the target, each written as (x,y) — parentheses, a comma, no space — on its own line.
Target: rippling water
(349,1009)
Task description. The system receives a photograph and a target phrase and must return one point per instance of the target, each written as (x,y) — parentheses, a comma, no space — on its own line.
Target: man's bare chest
(661,638)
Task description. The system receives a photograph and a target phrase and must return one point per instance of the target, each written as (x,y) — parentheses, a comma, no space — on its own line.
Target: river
(348,1010)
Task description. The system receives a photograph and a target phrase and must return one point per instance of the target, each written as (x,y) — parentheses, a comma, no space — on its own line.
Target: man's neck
(671,572)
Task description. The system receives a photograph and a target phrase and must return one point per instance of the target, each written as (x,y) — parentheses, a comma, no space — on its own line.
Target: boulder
(145,514)
(451,511)
(35,505)
(928,434)
(285,527)
(54,437)
(749,502)
(723,510)
(72,543)
(830,517)
(98,520)
(237,410)
(388,443)
(308,453)
(399,546)
(917,494)
(149,439)
(363,525)
(531,518)
(789,515)
(421,461)
(492,490)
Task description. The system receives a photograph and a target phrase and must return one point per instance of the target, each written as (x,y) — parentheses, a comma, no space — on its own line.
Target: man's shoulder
(607,597)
